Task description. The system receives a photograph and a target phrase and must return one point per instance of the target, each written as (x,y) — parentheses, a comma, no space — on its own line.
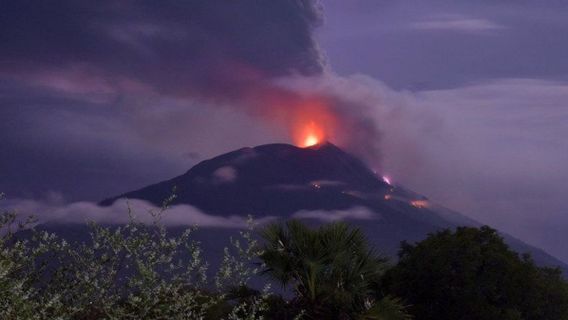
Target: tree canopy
(470,273)
(331,270)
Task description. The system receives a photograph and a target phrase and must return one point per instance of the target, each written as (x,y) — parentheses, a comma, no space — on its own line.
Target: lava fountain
(311,140)
(312,124)
(310,120)
(312,135)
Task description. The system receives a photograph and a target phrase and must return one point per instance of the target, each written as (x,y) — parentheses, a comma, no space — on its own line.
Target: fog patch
(225,174)
(356,213)
(118,213)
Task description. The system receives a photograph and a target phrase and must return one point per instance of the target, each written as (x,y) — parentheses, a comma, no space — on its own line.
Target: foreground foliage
(472,274)
(331,270)
(135,271)
(140,271)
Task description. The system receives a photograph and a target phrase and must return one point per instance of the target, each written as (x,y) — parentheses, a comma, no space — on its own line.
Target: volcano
(271,180)
(321,183)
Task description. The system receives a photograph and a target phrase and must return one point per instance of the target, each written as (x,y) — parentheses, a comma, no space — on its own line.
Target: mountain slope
(320,183)
(276,179)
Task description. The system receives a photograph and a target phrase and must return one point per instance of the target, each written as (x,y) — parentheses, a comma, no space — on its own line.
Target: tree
(331,270)
(472,274)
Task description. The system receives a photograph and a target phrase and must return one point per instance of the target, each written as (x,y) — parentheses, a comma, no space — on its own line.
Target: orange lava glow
(310,135)
(309,120)
(311,140)
(419,203)
(312,124)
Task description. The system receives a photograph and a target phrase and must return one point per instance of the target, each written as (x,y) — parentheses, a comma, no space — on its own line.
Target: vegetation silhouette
(470,273)
(331,270)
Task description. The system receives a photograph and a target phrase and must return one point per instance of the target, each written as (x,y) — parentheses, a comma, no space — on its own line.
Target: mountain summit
(321,183)
(273,179)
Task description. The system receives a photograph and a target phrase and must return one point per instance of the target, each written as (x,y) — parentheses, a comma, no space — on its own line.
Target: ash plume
(110,89)
(235,54)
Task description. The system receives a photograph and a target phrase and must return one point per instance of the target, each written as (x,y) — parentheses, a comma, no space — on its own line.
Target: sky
(463,101)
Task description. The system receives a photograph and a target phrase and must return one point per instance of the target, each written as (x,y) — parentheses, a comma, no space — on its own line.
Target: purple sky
(463,101)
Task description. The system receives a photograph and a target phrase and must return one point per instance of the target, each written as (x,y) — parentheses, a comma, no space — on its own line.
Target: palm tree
(331,270)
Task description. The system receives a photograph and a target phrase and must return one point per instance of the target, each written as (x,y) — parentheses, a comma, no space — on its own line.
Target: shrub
(135,271)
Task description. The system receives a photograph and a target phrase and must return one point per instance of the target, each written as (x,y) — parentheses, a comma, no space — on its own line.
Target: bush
(135,271)
(472,274)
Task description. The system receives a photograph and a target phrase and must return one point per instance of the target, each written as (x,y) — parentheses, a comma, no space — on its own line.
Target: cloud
(202,47)
(50,211)
(457,23)
(357,213)
(225,174)
(510,39)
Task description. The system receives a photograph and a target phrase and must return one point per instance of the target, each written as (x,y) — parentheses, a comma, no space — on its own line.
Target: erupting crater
(310,135)
(311,140)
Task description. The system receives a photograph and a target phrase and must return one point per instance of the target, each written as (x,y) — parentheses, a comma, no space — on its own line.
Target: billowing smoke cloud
(222,53)
(211,48)
(106,89)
